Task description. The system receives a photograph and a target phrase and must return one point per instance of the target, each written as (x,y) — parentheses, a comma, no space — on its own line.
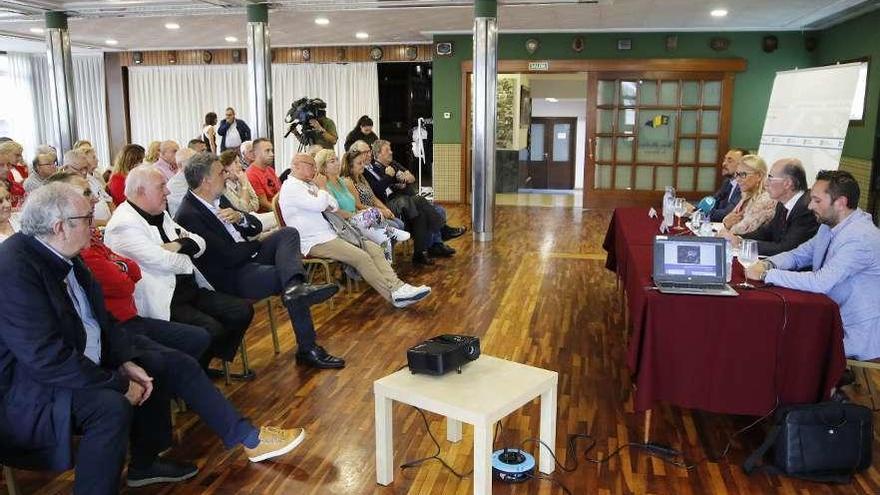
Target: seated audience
(842,261)
(167,164)
(303,201)
(246,154)
(10,155)
(197,145)
(44,165)
(363,131)
(251,269)
(68,370)
(394,184)
(352,169)
(368,221)
(6,226)
(261,174)
(130,157)
(756,206)
(117,276)
(793,223)
(171,287)
(177,187)
(152,153)
(241,194)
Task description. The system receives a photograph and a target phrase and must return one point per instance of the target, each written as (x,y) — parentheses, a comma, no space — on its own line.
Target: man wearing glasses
(44,165)
(793,222)
(729,195)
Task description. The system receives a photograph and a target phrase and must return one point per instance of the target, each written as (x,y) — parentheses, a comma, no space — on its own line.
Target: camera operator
(322,127)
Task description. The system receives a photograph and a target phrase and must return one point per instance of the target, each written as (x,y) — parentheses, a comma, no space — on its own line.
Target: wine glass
(679,207)
(748,256)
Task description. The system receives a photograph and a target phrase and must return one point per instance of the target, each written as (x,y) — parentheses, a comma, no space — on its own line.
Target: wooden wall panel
(282,55)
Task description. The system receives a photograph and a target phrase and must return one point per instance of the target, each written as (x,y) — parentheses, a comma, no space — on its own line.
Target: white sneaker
(407,294)
(399,235)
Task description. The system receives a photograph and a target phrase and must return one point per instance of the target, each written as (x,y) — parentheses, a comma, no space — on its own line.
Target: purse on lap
(826,442)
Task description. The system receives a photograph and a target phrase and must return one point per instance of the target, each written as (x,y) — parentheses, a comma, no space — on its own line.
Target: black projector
(442,354)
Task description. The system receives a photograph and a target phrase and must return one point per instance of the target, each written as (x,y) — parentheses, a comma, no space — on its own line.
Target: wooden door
(550,159)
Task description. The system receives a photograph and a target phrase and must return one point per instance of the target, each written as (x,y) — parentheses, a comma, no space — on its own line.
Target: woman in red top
(130,157)
(10,155)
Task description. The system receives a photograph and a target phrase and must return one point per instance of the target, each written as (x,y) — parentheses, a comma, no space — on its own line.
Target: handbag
(344,230)
(826,442)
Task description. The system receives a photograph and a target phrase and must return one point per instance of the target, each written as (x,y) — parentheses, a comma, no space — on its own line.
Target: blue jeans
(435,236)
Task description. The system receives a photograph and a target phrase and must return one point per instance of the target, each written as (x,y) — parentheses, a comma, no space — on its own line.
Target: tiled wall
(447,172)
(861,170)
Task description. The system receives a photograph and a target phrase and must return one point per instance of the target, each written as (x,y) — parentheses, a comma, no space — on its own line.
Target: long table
(721,354)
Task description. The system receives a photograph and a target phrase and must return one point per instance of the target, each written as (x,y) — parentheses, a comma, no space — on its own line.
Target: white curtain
(19,103)
(37,125)
(170,102)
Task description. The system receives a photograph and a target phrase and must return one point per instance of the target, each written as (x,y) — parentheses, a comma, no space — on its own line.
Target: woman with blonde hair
(130,157)
(240,193)
(756,206)
(152,153)
(369,221)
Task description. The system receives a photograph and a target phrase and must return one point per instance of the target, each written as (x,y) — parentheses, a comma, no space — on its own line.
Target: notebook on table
(691,265)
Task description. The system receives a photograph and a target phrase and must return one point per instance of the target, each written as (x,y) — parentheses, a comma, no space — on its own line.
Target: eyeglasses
(742,175)
(90,216)
(87,193)
(771,177)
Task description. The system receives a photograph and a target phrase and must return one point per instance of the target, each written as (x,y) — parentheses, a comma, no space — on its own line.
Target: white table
(485,391)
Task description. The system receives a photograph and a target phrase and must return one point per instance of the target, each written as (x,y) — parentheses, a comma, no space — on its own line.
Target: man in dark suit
(793,223)
(728,196)
(65,366)
(251,269)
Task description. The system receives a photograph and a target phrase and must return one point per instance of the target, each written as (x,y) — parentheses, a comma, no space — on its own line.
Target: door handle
(591,149)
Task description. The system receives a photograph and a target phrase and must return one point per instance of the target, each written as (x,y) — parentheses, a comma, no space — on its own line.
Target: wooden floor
(539,294)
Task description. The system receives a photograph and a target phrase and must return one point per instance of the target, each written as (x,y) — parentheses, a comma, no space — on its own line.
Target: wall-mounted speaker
(769,43)
(138,57)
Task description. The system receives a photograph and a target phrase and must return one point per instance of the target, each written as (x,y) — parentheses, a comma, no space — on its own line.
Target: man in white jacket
(303,200)
(171,287)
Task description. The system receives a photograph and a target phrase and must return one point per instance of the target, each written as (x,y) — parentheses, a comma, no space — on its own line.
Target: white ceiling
(139,24)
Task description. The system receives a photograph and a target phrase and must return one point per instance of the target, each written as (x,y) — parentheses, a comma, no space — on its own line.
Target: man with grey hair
(251,269)
(793,223)
(77,161)
(60,351)
(44,165)
(167,163)
(246,154)
(177,184)
(172,288)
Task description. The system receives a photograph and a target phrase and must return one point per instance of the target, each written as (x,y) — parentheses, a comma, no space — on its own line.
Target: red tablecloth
(721,354)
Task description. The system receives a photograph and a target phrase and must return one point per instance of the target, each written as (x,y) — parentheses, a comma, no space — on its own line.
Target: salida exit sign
(539,66)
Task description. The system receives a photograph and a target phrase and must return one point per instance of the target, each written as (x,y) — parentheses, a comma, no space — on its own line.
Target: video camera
(301,112)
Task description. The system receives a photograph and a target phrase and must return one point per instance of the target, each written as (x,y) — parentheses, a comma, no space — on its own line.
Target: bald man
(793,222)
(167,162)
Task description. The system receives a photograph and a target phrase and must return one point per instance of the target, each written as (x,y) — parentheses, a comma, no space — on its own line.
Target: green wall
(857,38)
(751,90)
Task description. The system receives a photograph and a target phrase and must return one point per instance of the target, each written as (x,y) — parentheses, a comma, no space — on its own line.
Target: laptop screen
(689,259)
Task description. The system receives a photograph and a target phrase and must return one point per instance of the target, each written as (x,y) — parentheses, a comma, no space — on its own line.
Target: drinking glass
(748,256)
(679,207)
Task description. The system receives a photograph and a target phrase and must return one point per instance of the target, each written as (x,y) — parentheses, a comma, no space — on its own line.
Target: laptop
(691,265)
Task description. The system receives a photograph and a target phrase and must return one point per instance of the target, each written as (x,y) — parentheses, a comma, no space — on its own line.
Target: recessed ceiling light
(172,25)
(37,30)
(718,13)
(231,39)
(361,35)
(552,100)
(111,42)
(322,21)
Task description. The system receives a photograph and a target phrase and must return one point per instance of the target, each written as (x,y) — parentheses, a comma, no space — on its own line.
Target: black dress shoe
(440,249)
(161,471)
(422,258)
(306,294)
(447,232)
(317,357)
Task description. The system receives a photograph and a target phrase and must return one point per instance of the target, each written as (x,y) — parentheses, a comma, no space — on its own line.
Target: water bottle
(728,248)
(668,199)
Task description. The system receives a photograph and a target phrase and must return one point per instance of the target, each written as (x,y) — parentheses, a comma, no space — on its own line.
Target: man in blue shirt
(844,257)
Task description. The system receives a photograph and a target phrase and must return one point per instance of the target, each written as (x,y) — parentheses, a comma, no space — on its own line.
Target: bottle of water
(668,199)
(728,248)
